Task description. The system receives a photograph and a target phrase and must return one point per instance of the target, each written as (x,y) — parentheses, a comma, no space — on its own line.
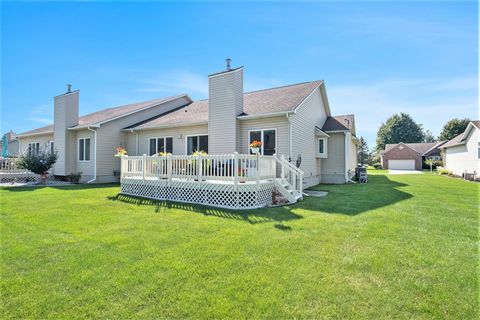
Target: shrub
(38,163)
(435,164)
(444,172)
(75,177)
(377,165)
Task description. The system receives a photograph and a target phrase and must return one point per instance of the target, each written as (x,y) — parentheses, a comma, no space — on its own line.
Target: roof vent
(69,88)
(228,60)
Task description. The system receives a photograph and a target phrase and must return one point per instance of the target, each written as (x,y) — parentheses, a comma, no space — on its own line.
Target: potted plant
(120,152)
(255,146)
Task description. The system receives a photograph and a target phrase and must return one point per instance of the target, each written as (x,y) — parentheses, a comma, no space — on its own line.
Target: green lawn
(401,246)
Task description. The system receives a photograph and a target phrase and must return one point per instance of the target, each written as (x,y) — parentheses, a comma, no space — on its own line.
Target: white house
(462,153)
(294,121)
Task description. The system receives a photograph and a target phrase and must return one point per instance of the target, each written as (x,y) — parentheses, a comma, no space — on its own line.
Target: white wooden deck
(227,181)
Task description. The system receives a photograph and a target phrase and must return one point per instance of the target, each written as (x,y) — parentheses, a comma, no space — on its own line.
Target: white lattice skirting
(223,194)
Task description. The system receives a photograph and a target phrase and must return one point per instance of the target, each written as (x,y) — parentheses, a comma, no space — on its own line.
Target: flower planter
(255,150)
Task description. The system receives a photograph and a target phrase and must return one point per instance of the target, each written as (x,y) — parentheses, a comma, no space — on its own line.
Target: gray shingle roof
(458,139)
(420,147)
(280,99)
(342,122)
(104,115)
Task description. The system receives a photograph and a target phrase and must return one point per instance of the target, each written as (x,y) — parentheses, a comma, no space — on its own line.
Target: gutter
(166,126)
(265,115)
(94,156)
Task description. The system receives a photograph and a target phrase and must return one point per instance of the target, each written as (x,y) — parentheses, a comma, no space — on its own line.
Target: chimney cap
(69,88)
(228,61)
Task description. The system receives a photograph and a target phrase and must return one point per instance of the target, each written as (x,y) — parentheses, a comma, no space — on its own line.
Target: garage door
(401,164)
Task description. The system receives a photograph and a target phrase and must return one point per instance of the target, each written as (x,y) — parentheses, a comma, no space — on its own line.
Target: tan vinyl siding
(110,136)
(179,135)
(225,104)
(310,114)
(85,167)
(44,141)
(333,167)
(353,156)
(278,123)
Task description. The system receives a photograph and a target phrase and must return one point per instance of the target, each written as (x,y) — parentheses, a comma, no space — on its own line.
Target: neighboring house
(462,153)
(12,144)
(409,156)
(294,121)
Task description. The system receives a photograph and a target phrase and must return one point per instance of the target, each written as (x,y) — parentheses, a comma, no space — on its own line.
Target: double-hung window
(322,147)
(268,138)
(157,145)
(197,143)
(33,148)
(84,149)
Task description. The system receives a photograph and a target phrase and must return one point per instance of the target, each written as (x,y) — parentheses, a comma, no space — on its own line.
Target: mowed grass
(401,246)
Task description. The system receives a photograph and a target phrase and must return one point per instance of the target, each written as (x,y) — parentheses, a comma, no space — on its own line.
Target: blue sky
(377,58)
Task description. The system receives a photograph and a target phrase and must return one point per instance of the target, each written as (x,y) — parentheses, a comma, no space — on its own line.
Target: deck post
(235,169)
(122,167)
(143,166)
(257,178)
(274,166)
(199,167)
(169,168)
(282,158)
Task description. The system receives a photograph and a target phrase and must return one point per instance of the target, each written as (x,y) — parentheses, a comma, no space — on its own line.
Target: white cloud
(178,82)
(196,85)
(431,102)
(41,120)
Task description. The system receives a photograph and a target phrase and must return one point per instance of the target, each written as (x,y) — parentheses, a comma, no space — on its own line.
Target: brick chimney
(65,116)
(225,94)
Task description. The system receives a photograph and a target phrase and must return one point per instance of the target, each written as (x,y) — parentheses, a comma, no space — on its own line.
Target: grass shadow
(252,216)
(60,187)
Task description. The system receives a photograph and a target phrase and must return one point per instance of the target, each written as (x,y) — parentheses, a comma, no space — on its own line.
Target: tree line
(403,128)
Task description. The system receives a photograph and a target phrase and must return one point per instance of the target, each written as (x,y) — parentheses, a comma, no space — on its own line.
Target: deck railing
(235,167)
(9,165)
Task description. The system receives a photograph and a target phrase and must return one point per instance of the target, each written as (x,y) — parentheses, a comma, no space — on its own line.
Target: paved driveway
(404,172)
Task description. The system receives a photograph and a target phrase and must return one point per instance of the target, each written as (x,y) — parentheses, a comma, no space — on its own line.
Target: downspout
(289,136)
(136,142)
(94,156)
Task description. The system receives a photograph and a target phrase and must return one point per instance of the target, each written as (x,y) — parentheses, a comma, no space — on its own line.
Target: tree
(38,163)
(399,128)
(362,151)
(453,128)
(429,136)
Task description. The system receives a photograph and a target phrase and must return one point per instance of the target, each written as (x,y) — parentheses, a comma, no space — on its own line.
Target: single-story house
(293,120)
(462,154)
(409,156)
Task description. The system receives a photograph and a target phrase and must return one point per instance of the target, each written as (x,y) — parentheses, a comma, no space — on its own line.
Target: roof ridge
(284,86)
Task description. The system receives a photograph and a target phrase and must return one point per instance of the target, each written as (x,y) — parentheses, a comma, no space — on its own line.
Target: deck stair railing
(290,182)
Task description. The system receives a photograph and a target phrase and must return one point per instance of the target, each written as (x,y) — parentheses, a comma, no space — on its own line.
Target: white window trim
(78,149)
(261,136)
(193,135)
(156,142)
(325,147)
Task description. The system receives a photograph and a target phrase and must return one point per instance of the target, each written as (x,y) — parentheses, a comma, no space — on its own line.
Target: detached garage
(408,156)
